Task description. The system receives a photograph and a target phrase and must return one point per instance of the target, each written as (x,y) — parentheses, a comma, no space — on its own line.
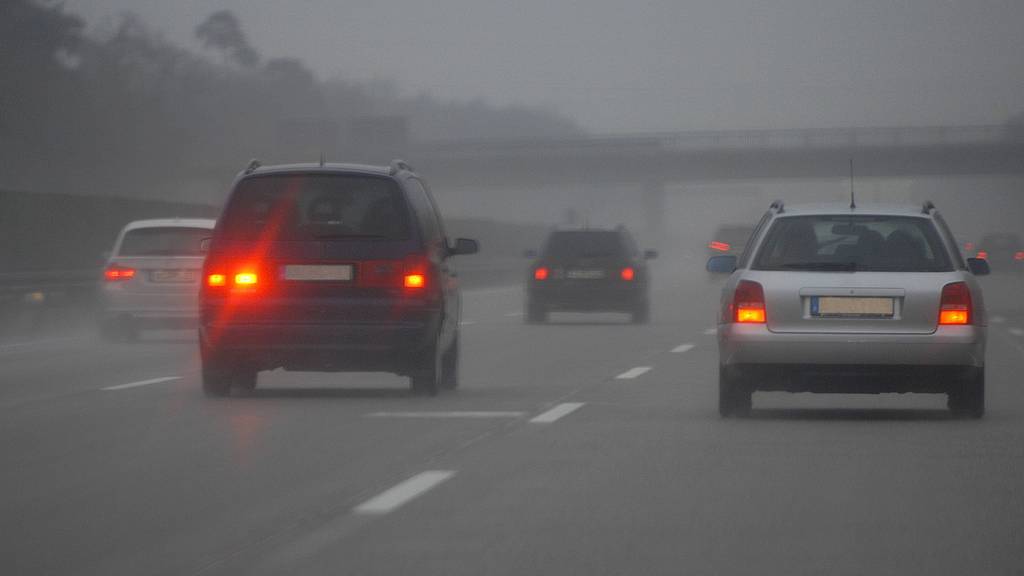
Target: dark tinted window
(585,244)
(425,213)
(169,241)
(866,243)
(312,206)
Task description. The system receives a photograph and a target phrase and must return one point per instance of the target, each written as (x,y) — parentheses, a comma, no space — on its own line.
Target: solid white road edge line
(394,497)
(682,348)
(633,373)
(142,383)
(450,414)
(557,412)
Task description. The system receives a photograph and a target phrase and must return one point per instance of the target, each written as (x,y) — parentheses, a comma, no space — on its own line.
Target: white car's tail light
(955,305)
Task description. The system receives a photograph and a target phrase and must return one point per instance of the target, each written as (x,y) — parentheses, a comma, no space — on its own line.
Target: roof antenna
(322,158)
(853,203)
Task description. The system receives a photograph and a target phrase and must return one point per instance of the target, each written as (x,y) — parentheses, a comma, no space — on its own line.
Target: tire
(536,313)
(427,376)
(642,313)
(968,396)
(217,377)
(450,366)
(734,395)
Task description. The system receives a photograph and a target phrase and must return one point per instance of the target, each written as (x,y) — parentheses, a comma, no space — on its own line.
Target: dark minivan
(330,267)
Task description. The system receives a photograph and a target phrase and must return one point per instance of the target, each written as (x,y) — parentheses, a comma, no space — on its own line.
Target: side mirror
(650,254)
(725,264)
(531,254)
(464,246)
(978,266)
(204,245)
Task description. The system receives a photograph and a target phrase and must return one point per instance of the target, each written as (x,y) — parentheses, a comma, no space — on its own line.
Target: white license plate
(173,276)
(318,273)
(852,306)
(584,274)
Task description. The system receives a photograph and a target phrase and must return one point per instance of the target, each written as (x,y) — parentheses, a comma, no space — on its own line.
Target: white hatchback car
(852,300)
(152,276)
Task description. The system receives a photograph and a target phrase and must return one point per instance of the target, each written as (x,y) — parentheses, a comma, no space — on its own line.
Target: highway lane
(561,453)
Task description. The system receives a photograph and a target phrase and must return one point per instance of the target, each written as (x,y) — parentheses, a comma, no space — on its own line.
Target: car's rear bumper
(754,344)
(854,378)
(588,297)
(174,303)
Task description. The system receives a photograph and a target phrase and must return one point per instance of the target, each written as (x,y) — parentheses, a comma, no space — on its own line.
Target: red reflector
(983,255)
(116,273)
(748,303)
(955,305)
(720,246)
(540,273)
(415,281)
(216,280)
(627,273)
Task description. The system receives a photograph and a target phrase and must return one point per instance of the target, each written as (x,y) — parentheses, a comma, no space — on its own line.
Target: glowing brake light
(415,271)
(720,246)
(982,255)
(216,280)
(748,303)
(115,273)
(627,274)
(1019,256)
(246,279)
(415,281)
(955,304)
(540,273)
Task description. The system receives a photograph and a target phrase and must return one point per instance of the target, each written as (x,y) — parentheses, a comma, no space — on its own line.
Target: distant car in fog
(1004,251)
(729,239)
(852,300)
(335,267)
(590,270)
(151,278)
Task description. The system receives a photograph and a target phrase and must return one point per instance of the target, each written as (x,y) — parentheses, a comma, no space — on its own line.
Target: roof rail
(778,206)
(927,207)
(400,166)
(253,165)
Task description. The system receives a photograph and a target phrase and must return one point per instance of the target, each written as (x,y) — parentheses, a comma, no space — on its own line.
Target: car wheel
(217,377)
(450,366)
(734,395)
(968,397)
(642,313)
(427,376)
(536,313)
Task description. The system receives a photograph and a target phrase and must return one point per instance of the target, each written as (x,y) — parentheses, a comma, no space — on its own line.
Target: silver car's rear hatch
(853,302)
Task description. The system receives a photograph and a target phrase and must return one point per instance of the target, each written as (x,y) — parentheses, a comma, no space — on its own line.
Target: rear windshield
(168,241)
(850,243)
(316,206)
(585,244)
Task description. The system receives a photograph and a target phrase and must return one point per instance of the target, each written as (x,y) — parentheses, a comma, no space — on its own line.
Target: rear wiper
(829,266)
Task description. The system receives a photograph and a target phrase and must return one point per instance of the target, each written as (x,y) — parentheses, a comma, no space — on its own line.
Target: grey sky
(653,65)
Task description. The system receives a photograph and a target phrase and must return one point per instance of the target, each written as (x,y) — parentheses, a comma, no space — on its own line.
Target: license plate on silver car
(318,273)
(584,274)
(852,307)
(173,276)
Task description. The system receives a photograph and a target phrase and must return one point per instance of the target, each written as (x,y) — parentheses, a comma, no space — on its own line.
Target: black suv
(589,271)
(332,267)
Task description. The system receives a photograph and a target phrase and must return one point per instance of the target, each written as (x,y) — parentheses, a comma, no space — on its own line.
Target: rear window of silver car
(163,241)
(853,243)
(316,206)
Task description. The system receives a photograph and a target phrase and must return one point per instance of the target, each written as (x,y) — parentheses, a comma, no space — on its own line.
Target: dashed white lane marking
(394,497)
(998,319)
(513,314)
(557,412)
(451,414)
(467,322)
(1016,331)
(682,348)
(633,373)
(711,331)
(142,383)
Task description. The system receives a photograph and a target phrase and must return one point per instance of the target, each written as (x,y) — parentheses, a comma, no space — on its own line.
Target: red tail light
(982,254)
(748,303)
(246,279)
(968,246)
(541,273)
(415,272)
(720,246)
(1019,255)
(955,305)
(216,280)
(116,273)
(627,274)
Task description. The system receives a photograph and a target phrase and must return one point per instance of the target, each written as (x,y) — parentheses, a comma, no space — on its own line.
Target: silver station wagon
(849,299)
